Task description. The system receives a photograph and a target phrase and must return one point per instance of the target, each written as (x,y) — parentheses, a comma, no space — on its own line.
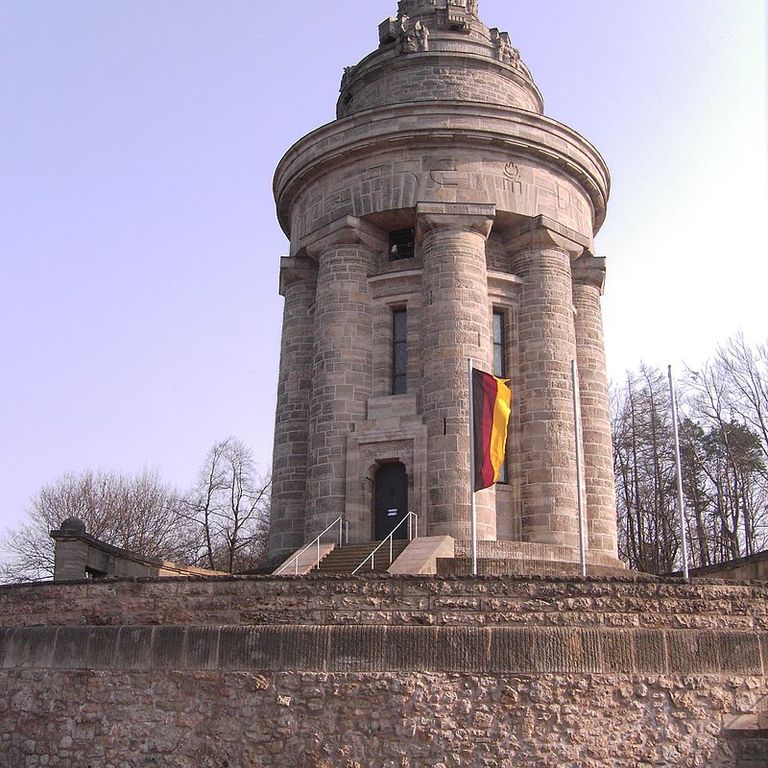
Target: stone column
(347,253)
(456,327)
(588,280)
(541,255)
(298,283)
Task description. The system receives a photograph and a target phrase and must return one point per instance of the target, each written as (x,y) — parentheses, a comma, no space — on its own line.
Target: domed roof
(439,50)
(72,525)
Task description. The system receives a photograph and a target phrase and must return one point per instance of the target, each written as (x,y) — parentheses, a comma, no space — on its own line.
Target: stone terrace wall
(293,720)
(322,600)
(384,672)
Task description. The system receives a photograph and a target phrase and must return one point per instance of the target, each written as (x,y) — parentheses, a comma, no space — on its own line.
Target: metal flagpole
(683,530)
(579,466)
(472,467)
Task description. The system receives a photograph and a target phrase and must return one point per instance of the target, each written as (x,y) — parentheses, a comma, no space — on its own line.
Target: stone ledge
(374,648)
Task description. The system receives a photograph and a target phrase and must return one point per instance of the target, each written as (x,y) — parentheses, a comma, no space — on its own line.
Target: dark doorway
(391,500)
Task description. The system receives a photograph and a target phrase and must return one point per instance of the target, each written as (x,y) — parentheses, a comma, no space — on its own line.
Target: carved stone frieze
(503,49)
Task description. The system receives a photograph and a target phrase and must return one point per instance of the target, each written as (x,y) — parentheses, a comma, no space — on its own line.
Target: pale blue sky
(139,315)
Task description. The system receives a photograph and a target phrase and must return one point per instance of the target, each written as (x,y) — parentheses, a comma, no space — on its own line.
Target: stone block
(168,647)
(559,650)
(462,649)
(513,650)
(201,650)
(72,648)
(410,647)
(691,652)
(5,633)
(251,648)
(307,648)
(30,648)
(739,653)
(102,647)
(357,649)
(134,648)
(650,652)
(617,651)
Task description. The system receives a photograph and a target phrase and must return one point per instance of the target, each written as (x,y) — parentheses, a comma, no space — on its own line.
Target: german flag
(491,405)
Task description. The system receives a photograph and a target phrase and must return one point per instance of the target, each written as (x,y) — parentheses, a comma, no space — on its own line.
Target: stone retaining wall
(310,720)
(384,672)
(642,602)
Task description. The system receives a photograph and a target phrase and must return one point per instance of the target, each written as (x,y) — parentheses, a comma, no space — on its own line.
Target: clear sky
(139,314)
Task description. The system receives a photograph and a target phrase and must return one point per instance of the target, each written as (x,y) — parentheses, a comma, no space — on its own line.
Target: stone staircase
(344,560)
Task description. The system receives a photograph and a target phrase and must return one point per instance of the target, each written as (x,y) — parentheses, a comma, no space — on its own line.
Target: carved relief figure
(472,7)
(504,50)
(414,40)
(347,76)
(422,35)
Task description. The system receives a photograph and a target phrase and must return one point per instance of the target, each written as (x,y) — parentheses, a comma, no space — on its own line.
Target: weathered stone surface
(390,671)
(134,648)
(453,146)
(32,647)
(623,602)
(168,648)
(284,720)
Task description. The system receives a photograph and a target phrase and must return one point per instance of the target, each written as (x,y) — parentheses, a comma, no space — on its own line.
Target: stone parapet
(628,602)
(522,137)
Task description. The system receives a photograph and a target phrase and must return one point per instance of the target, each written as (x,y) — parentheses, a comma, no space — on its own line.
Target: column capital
(478,217)
(589,270)
(541,232)
(348,230)
(294,269)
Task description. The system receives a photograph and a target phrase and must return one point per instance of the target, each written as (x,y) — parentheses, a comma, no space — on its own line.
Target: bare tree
(138,513)
(229,508)
(644,470)
(724,451)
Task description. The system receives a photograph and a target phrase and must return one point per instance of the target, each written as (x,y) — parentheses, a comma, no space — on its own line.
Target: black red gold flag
(491,405)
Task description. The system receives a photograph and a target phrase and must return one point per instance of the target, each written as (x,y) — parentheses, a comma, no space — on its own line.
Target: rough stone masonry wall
(293,720)
(619,603)
(381,671)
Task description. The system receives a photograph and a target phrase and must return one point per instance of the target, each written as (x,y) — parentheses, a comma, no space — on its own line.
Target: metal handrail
(343,530)
(413,533)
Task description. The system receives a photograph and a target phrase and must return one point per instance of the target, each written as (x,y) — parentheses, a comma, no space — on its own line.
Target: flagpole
(579,466)
(472,466)
(678,465)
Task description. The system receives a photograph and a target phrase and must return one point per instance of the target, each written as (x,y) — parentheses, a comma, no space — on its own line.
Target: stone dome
(72,525)
(439,50)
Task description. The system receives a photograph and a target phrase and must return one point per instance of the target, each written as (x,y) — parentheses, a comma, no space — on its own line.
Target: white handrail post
(318,552)
(391,542)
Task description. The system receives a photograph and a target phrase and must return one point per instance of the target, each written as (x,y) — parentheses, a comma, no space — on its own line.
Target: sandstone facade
(440,132)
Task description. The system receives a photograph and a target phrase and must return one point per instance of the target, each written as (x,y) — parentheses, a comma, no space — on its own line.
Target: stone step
(345,559)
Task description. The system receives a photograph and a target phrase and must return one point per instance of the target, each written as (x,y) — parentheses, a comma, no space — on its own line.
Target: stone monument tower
(441,217)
